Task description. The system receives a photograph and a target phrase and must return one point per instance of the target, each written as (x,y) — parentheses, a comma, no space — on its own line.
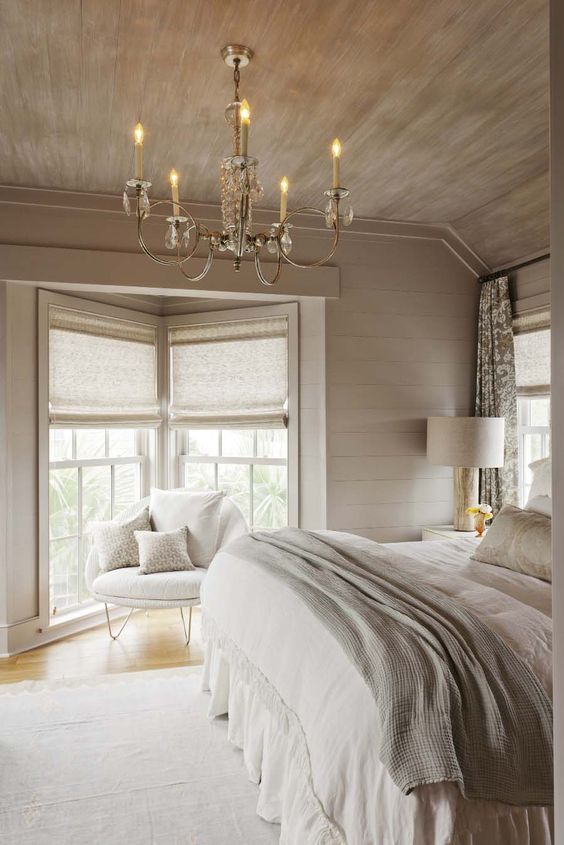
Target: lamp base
(465,496)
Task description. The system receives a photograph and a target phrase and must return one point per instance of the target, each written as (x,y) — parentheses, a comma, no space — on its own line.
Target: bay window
(532,373)
(226,417)
(103,409)
(231,385)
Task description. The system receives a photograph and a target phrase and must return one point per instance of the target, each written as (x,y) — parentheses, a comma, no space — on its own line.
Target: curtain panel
(232,374)
(496,393)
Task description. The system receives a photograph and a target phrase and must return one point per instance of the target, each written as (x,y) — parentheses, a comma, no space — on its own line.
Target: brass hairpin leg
(187,635)
(115,636)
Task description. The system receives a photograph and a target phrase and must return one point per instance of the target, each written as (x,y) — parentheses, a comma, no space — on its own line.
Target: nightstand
(444,532)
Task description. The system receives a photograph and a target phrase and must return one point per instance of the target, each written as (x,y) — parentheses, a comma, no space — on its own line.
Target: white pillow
(115,541)
(163,551)
(172,509)
(542,478)
(518,540)
(540,504)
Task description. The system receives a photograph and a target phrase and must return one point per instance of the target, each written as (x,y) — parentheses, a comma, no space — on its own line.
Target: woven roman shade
(102,370)
(531,331)
(230,374)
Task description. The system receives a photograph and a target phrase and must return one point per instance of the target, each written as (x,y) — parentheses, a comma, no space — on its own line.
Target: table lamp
(467,444)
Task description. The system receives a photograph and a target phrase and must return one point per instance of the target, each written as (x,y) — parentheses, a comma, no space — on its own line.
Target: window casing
(533,414)
(532,369)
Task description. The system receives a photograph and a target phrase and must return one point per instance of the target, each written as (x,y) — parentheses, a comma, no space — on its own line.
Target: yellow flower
(473,510)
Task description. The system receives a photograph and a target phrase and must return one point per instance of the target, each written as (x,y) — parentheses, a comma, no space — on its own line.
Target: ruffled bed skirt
(276,756)
(272,740)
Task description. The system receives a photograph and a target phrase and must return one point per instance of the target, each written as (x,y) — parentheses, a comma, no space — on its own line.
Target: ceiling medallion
(240,188)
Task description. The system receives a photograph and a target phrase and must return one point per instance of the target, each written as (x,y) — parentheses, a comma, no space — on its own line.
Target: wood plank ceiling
(442,106)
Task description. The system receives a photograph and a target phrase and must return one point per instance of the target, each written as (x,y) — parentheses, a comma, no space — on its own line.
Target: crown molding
(107,205)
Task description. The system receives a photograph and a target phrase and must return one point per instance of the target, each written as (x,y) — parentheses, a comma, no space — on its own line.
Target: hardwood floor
(153,640)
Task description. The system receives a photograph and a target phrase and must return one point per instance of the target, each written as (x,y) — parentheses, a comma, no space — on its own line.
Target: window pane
(235,481)
(63,566)
(203,442)
(90,443)
(60,444)
(199,476)
(237,444)
(540,411)
(272,443)
(127,486)
(533,452)
(270,496)
(122,442)
(63,502)
(96,494)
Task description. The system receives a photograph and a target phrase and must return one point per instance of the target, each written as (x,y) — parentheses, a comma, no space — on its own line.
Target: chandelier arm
(260,274)
(334,245)
(167,262)
(201,275)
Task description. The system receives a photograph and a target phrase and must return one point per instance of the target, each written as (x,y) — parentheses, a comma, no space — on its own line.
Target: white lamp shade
(466,441)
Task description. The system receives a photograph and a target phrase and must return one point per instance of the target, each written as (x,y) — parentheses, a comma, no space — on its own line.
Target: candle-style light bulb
(245,115)
(283,198)
(138,135)
(174,186)
(336,149)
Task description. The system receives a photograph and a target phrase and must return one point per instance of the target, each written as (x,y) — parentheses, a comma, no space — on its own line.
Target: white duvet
(306,720)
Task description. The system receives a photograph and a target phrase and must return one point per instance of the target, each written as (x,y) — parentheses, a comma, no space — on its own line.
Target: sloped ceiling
(442,106)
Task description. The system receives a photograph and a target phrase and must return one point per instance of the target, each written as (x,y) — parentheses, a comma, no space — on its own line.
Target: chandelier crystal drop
(240,190)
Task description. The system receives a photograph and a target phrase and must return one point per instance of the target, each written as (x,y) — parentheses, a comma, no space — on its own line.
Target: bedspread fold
(454,701)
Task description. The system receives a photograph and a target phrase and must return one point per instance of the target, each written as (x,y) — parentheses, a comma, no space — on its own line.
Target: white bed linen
(307,721)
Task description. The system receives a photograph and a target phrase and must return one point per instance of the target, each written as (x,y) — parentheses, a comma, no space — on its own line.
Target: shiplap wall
(401,346)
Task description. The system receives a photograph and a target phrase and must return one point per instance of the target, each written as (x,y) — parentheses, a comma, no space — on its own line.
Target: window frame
(176,457)
(251,461)
(155,467)
(524,428)
(141,459)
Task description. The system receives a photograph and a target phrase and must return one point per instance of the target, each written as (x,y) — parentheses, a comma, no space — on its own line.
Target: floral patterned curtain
(496,392)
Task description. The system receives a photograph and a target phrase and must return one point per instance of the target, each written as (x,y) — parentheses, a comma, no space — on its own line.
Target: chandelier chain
(236,77)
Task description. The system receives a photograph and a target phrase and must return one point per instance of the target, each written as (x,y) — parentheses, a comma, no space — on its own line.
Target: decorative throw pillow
(172,509)
(115,541)
(540,504)
(542,478)
(518,540)
(163,551)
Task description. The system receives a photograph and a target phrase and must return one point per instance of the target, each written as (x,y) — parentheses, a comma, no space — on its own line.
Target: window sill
(91,610)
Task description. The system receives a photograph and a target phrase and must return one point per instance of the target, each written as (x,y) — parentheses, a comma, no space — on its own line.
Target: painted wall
(396,347)
(18,459)
(401,346)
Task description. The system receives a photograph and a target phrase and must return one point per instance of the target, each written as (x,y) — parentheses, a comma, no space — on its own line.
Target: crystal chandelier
(240,188)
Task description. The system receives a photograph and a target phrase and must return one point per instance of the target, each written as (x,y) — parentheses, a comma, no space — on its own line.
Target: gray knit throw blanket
(454,701)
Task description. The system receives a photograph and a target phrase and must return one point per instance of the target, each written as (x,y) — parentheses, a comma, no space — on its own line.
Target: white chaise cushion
(132,585)
(171,509)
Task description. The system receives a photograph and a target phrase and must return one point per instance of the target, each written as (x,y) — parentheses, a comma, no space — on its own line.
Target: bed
(305,719)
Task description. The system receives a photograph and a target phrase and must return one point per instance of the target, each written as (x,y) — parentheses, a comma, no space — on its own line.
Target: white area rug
(122,760)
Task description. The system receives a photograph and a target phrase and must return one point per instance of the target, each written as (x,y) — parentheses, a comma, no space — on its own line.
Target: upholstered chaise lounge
(127,587)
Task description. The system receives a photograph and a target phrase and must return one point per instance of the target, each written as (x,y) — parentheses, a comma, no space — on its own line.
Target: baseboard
(28,634)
